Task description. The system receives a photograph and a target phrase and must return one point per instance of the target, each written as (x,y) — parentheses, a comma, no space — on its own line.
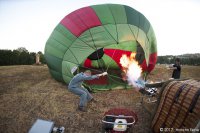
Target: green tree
(32,58)
(14,59)
(22,49)
(23,58)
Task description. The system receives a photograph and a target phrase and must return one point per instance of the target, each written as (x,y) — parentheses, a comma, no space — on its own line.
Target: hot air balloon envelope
(95,37)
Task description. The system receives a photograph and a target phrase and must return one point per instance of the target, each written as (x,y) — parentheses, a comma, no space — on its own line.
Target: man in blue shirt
(75,86)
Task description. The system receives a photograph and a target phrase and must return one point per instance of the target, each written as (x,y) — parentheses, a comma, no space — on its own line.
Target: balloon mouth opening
(96,55)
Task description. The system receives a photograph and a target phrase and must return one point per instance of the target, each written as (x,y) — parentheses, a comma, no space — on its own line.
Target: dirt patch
(28,93)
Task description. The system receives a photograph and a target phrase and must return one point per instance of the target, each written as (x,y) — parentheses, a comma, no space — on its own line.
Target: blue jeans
(85,96)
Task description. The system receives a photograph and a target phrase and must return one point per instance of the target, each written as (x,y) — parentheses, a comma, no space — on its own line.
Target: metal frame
(118,116)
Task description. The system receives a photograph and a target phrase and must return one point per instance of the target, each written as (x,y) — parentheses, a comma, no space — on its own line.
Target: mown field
(28,93)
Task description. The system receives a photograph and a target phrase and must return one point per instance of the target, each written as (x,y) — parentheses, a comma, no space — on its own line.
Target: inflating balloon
(96,37)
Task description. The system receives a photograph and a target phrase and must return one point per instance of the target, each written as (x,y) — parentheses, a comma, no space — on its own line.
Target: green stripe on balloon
(127,45)
(57,75)
(104,14)
(66,70)
(137,19)
(111,13)
(54,63)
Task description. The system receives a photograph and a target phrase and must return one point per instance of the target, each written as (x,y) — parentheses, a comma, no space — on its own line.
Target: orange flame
(131,67)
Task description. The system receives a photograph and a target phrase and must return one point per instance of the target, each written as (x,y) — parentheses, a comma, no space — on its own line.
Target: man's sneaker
(83,109)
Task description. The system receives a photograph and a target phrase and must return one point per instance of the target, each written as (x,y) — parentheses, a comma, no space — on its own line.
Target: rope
(101,71)
(110,60)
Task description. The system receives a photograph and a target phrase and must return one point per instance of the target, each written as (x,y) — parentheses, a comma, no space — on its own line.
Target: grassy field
(28,93)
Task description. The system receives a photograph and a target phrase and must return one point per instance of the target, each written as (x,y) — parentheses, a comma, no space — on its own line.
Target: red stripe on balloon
(152,63)
(88,63)
(81,20)
(144,65)
(116,54)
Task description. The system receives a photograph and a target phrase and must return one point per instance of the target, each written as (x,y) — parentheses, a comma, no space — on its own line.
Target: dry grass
(161,73)
(29,92)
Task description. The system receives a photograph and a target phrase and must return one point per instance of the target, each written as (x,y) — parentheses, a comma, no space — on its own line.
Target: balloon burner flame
(132,70)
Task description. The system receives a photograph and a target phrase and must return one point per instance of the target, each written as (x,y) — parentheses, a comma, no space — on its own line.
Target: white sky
(29,23)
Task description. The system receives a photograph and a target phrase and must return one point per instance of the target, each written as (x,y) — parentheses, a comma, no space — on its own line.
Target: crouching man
(75,86)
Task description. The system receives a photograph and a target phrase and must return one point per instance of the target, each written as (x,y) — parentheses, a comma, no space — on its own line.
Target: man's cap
(74,69)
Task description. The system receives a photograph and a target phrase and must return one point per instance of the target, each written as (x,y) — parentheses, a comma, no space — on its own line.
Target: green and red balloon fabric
(100,32)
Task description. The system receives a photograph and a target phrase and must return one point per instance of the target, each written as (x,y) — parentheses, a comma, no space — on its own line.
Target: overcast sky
(29,23)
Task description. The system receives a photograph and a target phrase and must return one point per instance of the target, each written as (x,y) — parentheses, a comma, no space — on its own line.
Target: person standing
(176,69)
(75,86)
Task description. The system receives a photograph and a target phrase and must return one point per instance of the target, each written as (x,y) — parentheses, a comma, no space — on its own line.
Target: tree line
(186,59)
(20,56)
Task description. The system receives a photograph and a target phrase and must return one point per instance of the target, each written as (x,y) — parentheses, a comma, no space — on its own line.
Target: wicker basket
(179,106)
